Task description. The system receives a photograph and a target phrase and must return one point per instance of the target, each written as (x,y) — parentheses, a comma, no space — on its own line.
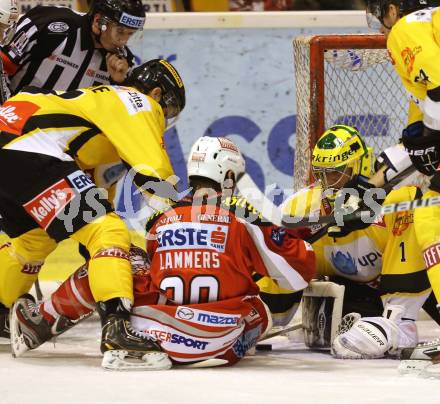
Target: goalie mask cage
(346,79)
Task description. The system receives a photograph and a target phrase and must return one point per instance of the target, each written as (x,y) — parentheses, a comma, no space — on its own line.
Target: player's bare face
(333,178)
(389,19)
(115,37)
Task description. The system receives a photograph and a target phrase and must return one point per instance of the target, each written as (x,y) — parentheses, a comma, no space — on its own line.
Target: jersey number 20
(201,289)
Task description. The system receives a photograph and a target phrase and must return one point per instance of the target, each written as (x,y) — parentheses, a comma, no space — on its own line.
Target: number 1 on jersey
(402,252)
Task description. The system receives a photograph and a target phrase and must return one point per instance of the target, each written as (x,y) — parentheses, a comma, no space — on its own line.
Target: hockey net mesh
(353,84)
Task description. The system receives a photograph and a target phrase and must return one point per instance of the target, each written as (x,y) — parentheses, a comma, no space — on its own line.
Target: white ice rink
(69,372)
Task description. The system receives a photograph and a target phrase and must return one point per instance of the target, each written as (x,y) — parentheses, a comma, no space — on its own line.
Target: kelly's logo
(45,206)
(14,115)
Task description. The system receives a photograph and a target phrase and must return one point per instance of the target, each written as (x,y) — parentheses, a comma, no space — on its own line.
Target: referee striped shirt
(53,49)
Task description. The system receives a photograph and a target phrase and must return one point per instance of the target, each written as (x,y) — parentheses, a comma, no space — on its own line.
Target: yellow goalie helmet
(339,154)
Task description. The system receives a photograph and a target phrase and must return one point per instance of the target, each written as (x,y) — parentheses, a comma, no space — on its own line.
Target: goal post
(345,79)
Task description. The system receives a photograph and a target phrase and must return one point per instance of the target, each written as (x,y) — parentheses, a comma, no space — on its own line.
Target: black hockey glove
(424,151)
(350,210)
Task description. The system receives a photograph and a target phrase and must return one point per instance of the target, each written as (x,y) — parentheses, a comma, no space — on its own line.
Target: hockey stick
(291,222)
(293,327)
(38,291)
(250,191)
(3,85)
(247,187)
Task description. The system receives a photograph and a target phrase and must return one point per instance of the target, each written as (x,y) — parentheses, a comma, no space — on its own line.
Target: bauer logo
(132,21)
(207,317)
(45,206)
(189,236)
(134,101)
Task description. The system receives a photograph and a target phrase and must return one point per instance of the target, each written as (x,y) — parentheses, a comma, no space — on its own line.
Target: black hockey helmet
(129,13)
(160,73)
(377,9)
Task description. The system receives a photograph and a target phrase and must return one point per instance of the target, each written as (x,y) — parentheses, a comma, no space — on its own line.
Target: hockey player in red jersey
(197,296)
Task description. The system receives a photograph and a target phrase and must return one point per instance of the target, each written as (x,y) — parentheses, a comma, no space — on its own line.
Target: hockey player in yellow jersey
(382,261)
(47,141)
(412,30)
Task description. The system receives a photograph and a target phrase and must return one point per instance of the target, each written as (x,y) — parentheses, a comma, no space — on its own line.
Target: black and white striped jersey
(53,49)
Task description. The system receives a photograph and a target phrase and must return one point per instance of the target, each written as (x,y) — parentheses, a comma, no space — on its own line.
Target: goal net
(346,79)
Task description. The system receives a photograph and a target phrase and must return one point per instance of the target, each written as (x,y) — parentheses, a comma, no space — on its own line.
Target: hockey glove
(424,151)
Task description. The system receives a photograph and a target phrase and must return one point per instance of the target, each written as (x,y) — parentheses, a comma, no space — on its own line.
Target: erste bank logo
(188,235)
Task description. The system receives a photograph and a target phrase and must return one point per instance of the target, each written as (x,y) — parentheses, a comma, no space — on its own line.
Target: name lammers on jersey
(188,259)
(192,236)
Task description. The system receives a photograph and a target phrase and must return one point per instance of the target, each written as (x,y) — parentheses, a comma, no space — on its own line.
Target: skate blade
(18,344)
(119,360)
(412,366)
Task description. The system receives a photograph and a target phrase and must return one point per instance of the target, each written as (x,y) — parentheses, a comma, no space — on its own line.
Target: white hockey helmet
(213,157)
(8,20)
(8,12)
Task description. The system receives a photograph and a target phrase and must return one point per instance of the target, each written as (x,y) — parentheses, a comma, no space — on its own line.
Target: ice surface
(69,372)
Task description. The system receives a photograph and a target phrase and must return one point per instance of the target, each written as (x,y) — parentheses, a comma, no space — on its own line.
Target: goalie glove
(424,151)
(373,337)
(353,204)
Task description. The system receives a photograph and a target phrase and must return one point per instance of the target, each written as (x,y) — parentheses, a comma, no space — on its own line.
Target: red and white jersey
(189,333)
(208,252)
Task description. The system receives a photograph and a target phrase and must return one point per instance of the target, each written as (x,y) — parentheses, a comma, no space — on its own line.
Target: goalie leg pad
(321,313)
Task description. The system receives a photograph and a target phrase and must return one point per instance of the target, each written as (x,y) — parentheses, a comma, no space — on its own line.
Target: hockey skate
(29,329)
(424,359)
(123,347)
